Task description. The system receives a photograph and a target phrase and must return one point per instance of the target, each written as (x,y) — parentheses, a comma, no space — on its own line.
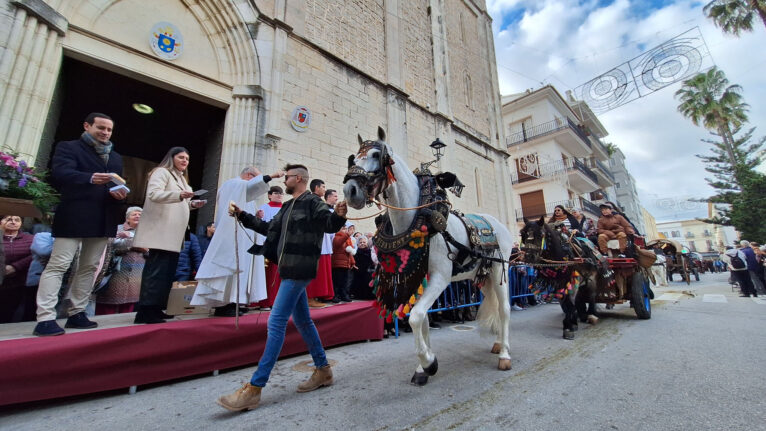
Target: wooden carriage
(631,280)
(676,261)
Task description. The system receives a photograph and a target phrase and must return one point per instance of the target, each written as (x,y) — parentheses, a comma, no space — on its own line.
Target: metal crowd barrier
(462,294)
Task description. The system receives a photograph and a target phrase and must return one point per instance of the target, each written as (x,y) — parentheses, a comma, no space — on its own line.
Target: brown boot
(320,377)
(313,303)
(245,398)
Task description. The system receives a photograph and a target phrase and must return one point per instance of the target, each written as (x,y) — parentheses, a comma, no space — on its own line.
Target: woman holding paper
(163,224)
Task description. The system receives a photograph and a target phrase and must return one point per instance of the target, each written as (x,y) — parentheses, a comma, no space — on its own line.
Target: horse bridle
(530,248)
(370,181)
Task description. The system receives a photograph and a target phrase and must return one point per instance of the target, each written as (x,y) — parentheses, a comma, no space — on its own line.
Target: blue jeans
(291,299)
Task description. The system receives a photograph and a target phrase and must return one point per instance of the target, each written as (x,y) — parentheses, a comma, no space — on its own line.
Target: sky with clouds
(566,43)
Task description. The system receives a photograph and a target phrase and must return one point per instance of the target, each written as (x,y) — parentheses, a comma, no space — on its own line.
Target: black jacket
(306,219)
(86,210)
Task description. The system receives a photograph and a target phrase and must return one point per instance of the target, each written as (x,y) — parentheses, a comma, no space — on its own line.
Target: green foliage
(741,190)
(708,99)
(748,208)
(735,16)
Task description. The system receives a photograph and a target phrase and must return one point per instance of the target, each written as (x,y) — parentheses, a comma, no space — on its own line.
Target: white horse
(378,162)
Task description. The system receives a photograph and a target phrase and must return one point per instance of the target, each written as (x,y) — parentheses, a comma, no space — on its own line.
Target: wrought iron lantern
(437,148)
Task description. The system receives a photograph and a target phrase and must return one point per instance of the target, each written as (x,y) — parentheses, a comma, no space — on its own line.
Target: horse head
(369,171)
(533,239)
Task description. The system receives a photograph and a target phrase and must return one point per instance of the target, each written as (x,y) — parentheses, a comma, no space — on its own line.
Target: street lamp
(437,147)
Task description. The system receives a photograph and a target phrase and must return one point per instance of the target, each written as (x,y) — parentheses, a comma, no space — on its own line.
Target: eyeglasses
(287,177)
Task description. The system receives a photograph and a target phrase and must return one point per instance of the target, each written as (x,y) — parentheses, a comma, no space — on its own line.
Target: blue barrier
(462,294)
(519,279)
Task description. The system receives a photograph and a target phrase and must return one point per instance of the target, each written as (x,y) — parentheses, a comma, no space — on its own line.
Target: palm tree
(708,99)
(735,16)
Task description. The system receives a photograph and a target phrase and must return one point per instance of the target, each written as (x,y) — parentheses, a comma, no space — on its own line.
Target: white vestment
(327,240)
(268,213)
(217,285)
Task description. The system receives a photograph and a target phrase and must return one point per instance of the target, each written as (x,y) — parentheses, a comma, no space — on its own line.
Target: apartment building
(557,157)
(625,189)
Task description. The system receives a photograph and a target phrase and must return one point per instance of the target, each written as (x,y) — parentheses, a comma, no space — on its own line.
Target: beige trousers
(80,283)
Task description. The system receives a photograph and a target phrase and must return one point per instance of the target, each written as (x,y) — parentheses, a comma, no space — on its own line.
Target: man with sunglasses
(293,242)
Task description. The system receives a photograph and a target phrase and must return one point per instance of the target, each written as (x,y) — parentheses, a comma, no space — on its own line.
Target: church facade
(260,82)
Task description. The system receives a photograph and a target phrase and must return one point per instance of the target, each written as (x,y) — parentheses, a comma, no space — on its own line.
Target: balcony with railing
(545,129)
(572,167)
(599,146)
(605,176)
(535,211)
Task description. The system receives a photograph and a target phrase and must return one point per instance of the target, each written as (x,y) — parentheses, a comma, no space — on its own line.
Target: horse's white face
(358,194)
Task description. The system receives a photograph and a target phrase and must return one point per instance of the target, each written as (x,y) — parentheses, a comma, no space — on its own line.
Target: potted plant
(22,189)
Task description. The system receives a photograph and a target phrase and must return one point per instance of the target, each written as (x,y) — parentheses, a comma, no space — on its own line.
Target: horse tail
(488,315)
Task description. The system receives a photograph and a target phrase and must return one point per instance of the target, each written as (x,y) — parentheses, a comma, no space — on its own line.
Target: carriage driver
(612,226)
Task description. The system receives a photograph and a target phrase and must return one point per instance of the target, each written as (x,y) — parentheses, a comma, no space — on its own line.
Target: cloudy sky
(566,43)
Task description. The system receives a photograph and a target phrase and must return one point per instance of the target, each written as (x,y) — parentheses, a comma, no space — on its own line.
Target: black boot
(149,314)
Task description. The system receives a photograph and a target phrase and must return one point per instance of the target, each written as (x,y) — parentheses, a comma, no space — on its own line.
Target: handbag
(111,269)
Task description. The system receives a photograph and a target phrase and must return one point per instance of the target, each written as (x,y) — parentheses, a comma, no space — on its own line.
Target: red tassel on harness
(390,178)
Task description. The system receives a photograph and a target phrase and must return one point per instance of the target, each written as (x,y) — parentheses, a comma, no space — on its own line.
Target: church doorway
(140,136)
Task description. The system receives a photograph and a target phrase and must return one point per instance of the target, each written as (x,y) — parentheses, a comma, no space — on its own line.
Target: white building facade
(557,157)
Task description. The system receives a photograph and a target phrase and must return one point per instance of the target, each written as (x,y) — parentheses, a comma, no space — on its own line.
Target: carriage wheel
(639,290)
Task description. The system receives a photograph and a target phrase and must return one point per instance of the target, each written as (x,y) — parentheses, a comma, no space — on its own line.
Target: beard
(289,190)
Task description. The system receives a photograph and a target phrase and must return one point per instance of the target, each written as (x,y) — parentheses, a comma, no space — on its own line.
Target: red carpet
(93,361)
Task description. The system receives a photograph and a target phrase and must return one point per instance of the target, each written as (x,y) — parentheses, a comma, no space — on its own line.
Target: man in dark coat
(83,171)
(294,243)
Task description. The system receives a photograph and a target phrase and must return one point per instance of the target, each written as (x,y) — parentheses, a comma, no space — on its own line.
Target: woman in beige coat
(163,224)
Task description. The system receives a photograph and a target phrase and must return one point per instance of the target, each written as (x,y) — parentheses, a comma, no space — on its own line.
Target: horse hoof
(504,364)
(592,319)
(433,368)
(419,379)
(568,335)
(496,348)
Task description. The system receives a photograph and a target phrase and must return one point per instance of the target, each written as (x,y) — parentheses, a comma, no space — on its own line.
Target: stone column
(29,68)
(239,137)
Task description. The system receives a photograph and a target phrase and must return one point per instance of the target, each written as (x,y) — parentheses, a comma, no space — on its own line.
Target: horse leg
(570,316)
(419,322)
(586,294)
(500,286)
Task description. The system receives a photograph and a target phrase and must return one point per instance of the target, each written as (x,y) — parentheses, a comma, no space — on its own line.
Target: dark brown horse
(559,273)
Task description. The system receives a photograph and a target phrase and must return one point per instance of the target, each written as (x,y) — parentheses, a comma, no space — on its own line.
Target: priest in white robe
(217,283)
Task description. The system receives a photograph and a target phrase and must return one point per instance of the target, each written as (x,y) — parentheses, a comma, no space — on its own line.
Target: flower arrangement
(21,181)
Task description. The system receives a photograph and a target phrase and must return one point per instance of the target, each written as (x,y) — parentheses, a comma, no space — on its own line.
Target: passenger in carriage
(587,226)
(616,211)
(613,226)
(563,217)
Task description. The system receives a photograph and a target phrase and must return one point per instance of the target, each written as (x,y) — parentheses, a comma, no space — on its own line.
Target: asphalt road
(697,364)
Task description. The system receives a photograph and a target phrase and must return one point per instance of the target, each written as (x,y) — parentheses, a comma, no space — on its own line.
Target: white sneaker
(515,307)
